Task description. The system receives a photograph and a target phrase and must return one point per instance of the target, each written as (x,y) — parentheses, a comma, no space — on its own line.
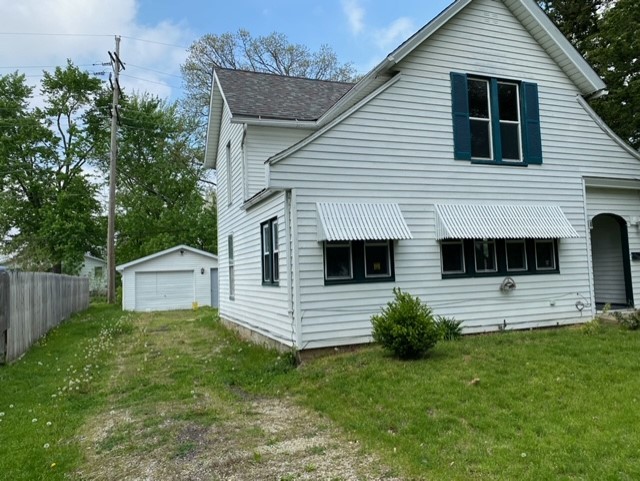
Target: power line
(43,66)
(157,43)
(150,81)
(153,70)
(56,34)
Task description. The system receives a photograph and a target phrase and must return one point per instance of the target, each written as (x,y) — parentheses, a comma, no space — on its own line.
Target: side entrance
(614,234)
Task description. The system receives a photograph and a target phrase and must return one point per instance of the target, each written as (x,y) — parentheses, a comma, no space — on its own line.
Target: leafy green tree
(272,53)
(615,54)
(49,216)
(578,20)
(161,199)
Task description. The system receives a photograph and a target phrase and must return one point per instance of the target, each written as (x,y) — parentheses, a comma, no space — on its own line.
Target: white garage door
(164,291)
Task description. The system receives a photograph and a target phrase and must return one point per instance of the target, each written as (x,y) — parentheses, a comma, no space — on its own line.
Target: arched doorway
(611,264)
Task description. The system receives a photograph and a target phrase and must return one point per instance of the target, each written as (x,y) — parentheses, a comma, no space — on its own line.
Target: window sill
(511,163)
(500,274)
(271,284)
(360,281)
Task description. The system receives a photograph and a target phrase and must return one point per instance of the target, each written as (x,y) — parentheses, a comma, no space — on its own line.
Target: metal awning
(502,222)
(346,222)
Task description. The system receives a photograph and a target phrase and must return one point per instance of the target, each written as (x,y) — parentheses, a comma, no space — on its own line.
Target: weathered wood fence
(31,303)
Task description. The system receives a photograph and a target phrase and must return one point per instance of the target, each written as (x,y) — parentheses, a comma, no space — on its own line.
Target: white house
(175,278)
(96,270)
(466,168)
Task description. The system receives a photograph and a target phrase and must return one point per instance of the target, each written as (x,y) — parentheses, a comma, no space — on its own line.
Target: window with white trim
(495,120)
(270,252)
(229,174)
(358,261)
(232,280)
(498,257)
(545,255)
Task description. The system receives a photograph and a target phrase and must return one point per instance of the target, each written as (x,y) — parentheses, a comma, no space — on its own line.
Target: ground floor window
(358,261)
(270,252)
(232,277)
(498,257)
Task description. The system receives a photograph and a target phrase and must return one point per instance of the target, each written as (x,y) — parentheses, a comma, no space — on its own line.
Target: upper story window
(495,120)
(229,174)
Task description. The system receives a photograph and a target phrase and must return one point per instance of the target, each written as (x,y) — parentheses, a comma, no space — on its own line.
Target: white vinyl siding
(262,143)
(399,148)
(264,309)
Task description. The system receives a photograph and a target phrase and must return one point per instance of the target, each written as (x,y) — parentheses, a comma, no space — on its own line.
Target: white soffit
(502,222)
(347,222)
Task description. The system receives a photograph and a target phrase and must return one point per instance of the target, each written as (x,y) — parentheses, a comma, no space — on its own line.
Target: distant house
(175,278)
(466,168)
(96,270)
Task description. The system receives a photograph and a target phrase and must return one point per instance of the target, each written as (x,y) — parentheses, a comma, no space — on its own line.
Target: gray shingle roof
(254,94)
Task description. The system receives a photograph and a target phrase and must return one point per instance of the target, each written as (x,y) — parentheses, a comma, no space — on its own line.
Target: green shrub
(448,328)
(629,321)
(405,327)
(594,326)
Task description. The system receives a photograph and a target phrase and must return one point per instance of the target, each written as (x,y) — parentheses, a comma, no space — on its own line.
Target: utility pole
(117,65)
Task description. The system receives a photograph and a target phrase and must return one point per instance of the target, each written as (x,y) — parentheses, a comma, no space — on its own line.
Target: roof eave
(274,122)
(214,121)
(185,247)
(606,129)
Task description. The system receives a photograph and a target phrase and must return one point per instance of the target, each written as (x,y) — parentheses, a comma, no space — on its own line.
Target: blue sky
(360,31)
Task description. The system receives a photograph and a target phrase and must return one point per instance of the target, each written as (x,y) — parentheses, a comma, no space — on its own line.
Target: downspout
(294,271)
(592,295)
(245,173)
(287,234)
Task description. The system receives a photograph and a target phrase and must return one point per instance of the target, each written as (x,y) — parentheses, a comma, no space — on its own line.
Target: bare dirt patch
(265,439)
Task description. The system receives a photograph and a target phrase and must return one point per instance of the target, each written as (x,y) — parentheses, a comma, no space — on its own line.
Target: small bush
(630,321)
(448,328)
(594,326)
(405,327)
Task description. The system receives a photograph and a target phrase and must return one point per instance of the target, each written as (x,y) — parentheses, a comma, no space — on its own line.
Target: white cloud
(95,17)
(393,35)
(355,15)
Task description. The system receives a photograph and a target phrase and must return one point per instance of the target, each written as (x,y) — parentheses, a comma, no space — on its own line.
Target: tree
(161,200)
(271,53)
(49,216)
(615,54)
(578,20)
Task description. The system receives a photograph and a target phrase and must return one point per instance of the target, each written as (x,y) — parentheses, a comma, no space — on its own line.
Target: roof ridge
(253,72)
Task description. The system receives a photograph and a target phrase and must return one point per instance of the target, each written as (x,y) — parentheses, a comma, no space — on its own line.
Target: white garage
(175,278)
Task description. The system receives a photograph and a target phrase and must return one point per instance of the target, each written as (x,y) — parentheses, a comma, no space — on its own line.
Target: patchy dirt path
(170,420)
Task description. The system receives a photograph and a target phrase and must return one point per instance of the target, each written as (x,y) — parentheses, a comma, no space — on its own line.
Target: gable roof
(270,96)
(274,102)
(122,267)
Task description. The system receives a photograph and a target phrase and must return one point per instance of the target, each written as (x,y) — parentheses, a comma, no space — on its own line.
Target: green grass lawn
(548,404)
(552,404)
(46,395)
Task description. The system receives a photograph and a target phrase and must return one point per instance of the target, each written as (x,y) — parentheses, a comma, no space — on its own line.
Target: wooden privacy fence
(31,303)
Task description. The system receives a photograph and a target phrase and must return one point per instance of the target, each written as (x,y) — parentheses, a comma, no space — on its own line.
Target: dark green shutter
(460,110)
(531,140)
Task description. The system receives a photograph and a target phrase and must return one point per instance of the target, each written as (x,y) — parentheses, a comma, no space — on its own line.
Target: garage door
(164,291)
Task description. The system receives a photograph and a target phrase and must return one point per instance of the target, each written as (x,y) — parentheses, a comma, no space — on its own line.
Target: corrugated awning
(346,222)
(502,222)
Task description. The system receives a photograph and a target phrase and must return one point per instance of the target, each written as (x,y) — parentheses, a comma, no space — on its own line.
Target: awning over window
(346,222)
(502,222)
